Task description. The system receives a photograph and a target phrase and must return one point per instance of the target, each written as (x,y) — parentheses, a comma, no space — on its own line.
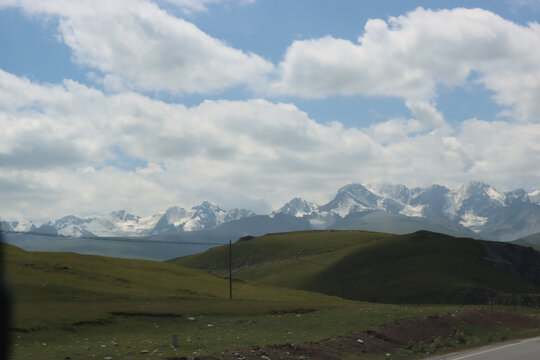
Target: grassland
(94,307)
(422,267)
(81,306)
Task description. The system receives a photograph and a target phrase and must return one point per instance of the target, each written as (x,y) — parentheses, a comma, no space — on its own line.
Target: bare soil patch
(492,319)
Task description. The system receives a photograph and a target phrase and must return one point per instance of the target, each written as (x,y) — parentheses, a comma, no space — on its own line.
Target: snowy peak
(397,192)
(208,215)
(176,215)
(475,205)
(18,225)
(432,200)
(204,216)
(237,214)
(475,199)
(122,223)
(67,221)
(359,193)
(391,198)
(534,197)
(67,226)
(208,207)
(350,199)
(297,207)
(123,215)
(518,195)
(200,217)
(480,191)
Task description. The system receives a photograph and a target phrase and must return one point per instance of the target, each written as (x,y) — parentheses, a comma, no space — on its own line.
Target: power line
(126,240)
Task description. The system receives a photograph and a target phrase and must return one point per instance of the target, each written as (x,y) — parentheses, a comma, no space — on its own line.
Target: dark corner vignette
(5,307)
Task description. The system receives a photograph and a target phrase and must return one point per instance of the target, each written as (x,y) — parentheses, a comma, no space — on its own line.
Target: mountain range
(474,209)
(122,223)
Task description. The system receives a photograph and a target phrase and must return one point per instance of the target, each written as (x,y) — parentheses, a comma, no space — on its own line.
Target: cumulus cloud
(136,45)
(61,144)
(252,153)
(410,56)
(426,118)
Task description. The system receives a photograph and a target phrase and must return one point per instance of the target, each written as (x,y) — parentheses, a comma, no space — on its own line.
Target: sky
(141,105)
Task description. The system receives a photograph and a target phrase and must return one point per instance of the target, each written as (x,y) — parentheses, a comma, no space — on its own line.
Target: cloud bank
(252,153)
(74,148)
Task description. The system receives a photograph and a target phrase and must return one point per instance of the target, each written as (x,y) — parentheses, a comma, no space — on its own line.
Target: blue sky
(141,105)
(31,48)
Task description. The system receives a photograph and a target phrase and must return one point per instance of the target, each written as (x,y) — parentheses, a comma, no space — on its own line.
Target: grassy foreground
(92,307)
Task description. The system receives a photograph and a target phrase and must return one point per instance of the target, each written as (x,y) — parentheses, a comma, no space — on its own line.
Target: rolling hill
(422,267)
(58,290)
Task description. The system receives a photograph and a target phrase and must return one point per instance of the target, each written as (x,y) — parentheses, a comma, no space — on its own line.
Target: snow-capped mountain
(202,217)
(297,207)
(117,223)
(472,209)
(534,197)
(476,206)
(122,223)
(17,225)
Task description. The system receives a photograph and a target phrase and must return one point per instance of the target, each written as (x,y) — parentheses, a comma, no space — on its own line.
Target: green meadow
(75,306)
(84,306)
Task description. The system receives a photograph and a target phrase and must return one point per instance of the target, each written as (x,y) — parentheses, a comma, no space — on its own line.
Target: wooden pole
(343,282)
(230,269)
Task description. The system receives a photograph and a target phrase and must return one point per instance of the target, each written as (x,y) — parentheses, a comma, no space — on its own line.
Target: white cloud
(60,143)
(426,118)
(189,6)
(252,153)
(410,56)
(136,45)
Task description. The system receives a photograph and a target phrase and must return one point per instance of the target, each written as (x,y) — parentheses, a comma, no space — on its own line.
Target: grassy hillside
(83,306)
(75,288)
(67,304)
(422,267)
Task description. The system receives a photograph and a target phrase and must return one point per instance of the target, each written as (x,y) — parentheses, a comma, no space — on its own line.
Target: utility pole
(343,282)
(230,269)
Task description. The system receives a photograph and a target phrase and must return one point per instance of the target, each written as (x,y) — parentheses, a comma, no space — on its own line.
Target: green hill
(422,267)
(84,306)
(55,290)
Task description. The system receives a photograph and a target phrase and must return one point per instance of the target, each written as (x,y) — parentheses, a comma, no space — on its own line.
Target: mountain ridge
(474,209)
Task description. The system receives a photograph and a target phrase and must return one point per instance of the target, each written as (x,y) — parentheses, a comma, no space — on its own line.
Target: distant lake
(100,246)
